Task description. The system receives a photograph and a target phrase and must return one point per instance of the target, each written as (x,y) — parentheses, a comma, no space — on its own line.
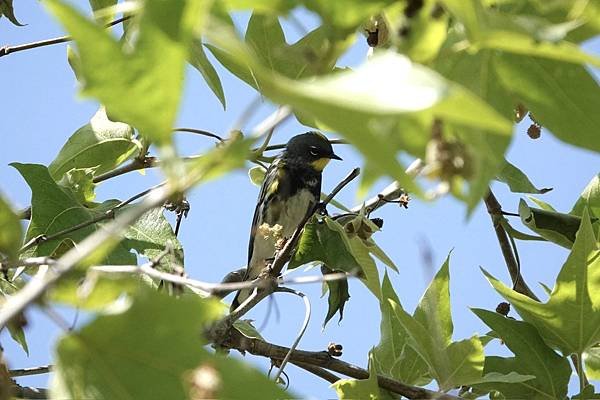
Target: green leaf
(245,327)
(451,364)
(345,15)
(532,358)
(257,175)
(382,107)
(541,204)
(98,5)
(54,209)
(393,356)
(101,144)
(80,181)
(338,295)
(553,226)
(151,235)
(325,241)
(141,87)
(545,86)
(94,291)
(361,388)
(592,362)
(273,6)
(15,326)
(198,60)
(11,233)
(590,198)
(517,181)
(141,366)
(433,311)
(6,9)
(568,321)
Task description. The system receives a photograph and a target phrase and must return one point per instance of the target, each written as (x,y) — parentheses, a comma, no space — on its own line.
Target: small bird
(291,188)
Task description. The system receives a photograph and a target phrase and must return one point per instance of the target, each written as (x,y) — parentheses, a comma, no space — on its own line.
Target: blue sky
(41,109)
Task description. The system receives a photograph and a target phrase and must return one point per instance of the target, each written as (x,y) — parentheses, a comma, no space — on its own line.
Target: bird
(291,188)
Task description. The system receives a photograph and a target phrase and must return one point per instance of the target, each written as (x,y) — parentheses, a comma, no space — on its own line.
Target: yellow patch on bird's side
(320,164)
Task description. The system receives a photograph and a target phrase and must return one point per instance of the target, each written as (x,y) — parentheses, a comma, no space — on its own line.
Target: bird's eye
(313,151)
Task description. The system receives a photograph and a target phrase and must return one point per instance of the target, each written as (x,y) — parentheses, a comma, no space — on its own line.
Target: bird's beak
(334,156)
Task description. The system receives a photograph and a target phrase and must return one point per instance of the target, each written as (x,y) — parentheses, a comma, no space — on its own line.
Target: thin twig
(27,392)
(6,50)
(300,333)
(42,369)
(392,191)
(200,132)
(273,120)
(135,165)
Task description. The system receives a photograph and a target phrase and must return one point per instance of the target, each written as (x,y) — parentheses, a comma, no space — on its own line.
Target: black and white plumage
(291,188)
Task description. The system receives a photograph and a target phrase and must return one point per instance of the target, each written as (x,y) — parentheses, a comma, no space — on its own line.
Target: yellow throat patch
(320,164)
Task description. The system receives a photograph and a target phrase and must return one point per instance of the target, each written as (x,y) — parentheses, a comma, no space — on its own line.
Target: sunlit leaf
(141,86)
(101,144)
(141,366)
(80,181)
(98,5)
(590,198)
(362,388)
(546,86)
(551,225)
(517,181)
(568,321)
(198,60)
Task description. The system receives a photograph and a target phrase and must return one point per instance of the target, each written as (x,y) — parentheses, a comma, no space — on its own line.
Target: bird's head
(312,148)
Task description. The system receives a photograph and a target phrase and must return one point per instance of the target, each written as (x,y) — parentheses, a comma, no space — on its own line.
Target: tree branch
(323,360)
(6,50)
(514,269)
(43,369)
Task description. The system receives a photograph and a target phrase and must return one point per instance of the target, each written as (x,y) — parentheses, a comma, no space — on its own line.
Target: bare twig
(135,165)
(495,211)
(391,192)
(200,132)
(42,369)
(300,333)
(6,50)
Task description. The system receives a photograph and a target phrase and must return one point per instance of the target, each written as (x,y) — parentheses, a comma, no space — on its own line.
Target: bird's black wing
(270,177)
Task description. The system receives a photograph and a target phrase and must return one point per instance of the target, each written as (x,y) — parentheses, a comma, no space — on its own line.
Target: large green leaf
(592,362)
(17,325)
(393,356)
(345,15)
(103,7)
(198,60)
(590,198)
(54,209)
(382,107)
(101,144)
(545,86)
(532,357)
(429,332)
(517,181)
(556,227)
(141,86)
(568,321)
(123,355)
(11,232)
(80,181)
(325,241)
